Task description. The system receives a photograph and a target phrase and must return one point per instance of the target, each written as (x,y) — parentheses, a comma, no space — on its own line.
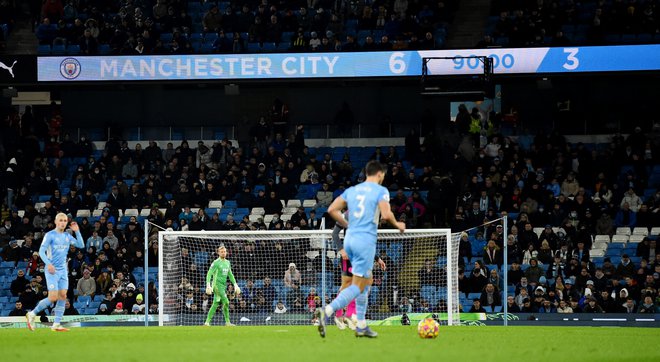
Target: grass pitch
(297,343)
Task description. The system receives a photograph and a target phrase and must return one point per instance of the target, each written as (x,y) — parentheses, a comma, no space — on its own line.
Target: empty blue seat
(206,48)
(253,48)
(166,37)
(104,49)
(73,49)
(43,50)
(473,296)
(58,49)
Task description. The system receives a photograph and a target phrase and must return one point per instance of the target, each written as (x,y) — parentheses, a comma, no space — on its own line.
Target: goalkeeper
(219,271)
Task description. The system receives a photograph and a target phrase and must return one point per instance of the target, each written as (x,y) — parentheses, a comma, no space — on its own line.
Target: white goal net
(285,275)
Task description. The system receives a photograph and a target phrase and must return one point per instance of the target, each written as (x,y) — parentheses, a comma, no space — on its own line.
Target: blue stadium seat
(58,49)
(206,48)
(253,48)
(43,50)
(104,49)
(73,49)
(473,296)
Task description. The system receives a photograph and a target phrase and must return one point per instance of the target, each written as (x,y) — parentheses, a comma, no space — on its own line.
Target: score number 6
(572,62)
(397,63)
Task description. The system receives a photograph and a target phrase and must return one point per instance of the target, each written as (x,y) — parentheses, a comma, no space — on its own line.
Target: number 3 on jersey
(360,211)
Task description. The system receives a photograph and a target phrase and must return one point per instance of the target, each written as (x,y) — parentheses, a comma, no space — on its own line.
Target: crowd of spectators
(184,27)
(562,23)
(572,191)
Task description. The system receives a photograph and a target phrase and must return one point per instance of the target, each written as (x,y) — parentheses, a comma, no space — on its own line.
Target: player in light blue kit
(53,251)
(366,202)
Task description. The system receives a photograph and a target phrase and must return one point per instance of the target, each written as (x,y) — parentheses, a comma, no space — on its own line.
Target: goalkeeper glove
(237,289)
(209,290)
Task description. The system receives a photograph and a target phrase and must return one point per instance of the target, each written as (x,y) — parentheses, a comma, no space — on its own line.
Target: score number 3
(572,62)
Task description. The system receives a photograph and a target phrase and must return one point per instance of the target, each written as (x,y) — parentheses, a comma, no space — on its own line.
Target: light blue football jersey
(363,209)
(55,248)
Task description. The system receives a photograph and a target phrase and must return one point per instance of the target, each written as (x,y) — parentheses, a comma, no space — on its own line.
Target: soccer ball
(428,328)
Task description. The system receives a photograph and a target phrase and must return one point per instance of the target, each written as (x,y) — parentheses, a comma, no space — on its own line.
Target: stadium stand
(564,23)
(568,225)
(162,27)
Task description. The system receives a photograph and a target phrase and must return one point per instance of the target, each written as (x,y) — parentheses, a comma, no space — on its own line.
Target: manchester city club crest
(70,68)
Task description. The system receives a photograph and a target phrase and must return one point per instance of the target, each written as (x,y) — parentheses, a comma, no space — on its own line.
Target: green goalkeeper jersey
(220,269)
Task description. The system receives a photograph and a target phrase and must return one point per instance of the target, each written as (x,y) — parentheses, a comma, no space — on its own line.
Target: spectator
(534,272)
(477,308)
(69,309)
(648,306)
(268,291)
(626,268)
(628,306)
(547,307)
(633,201)
(405,306)
(429,274)
(112,240)
(570,186)
(515,274)
(625,217)
(18,310)
(119,309)
(592,306)
(28,297)
(564,307)
(280,308)
(324,196)
(478,278)
(86,285)
(512,307)
(490,296)
(492,254)
(94,241)
(18,285)
(292,277)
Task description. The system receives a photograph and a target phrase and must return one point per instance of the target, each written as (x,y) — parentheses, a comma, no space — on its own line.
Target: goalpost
(420,279)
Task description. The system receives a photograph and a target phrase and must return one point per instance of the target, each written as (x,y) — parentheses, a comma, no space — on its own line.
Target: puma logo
(9,69)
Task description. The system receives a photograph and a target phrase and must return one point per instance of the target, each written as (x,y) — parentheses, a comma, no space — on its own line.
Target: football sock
(350,309)
(43,304)
(212,310)
(342,300)
(225,312)
(361,305)
(59,310)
